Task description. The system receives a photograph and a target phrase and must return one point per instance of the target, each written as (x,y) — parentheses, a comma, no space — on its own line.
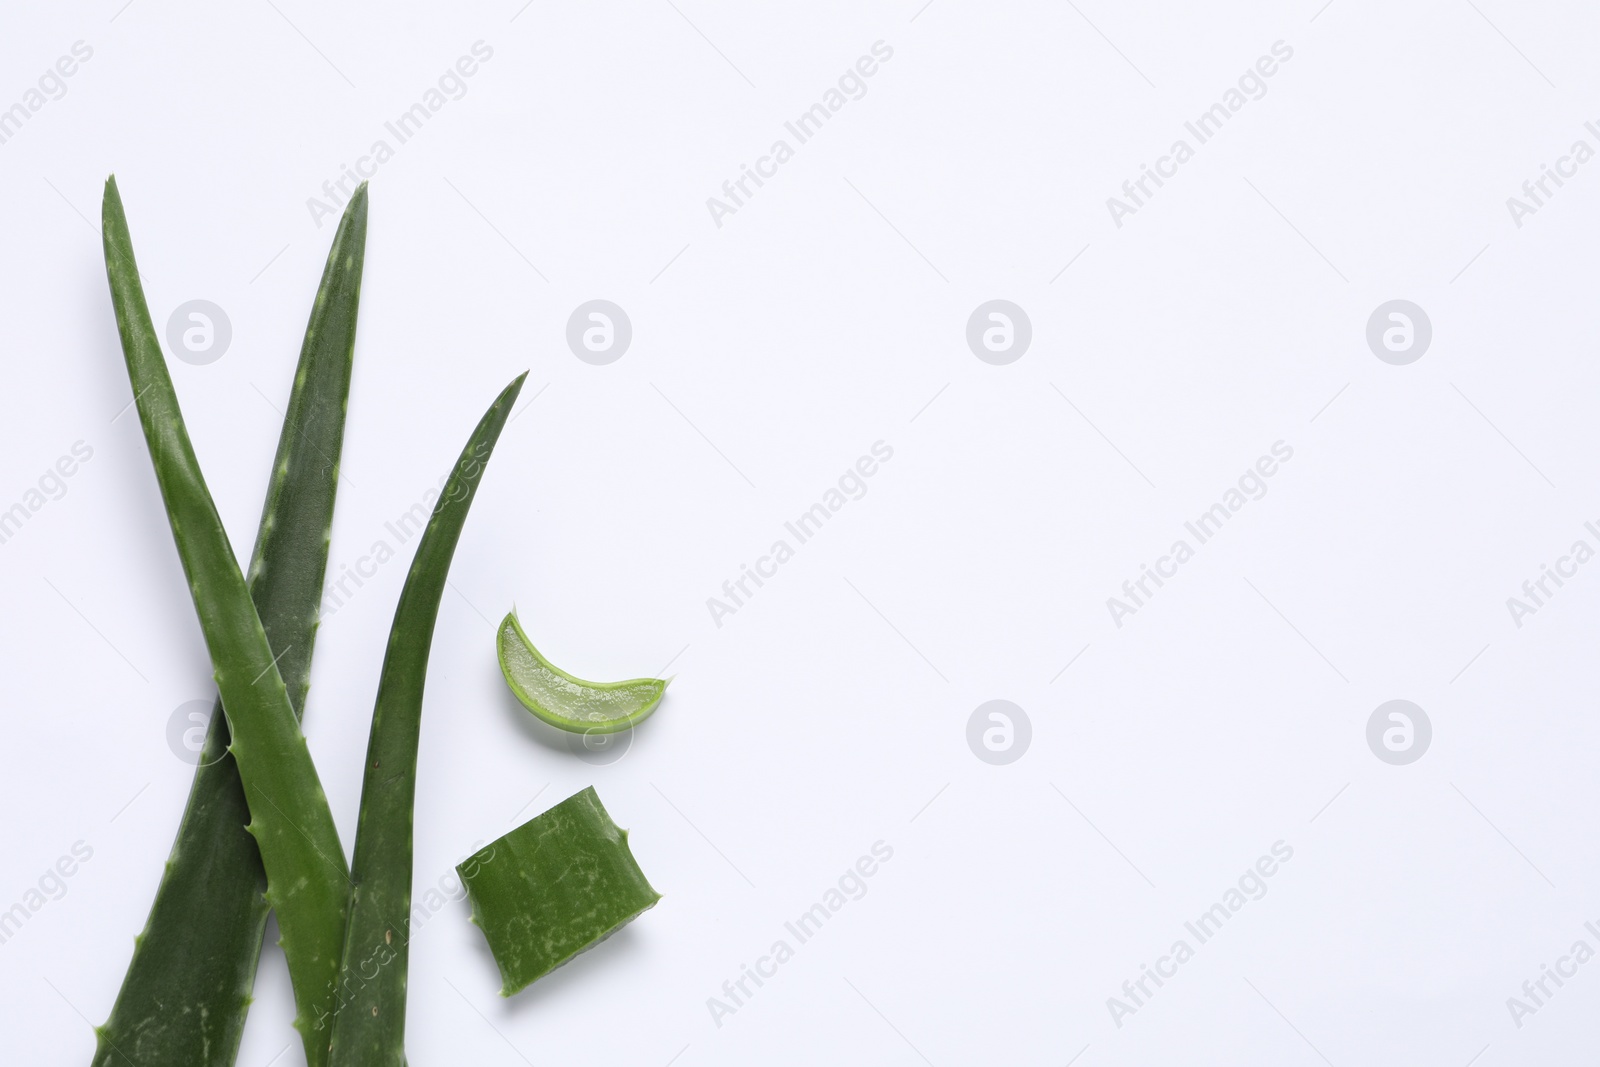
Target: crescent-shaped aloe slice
(370,1025)
(188,988)
(569,703)
(307,879)
(554,887)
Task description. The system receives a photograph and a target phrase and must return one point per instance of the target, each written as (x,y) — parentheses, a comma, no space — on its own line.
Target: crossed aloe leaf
(257,833)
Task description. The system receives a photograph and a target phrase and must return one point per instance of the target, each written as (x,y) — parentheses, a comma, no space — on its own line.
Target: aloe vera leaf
(188,987)
(307,879)
(370,1024)
(194,967)
(570,703)
(554,887)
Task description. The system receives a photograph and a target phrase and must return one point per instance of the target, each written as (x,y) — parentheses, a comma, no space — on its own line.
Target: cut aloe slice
(569,703)
(554,887)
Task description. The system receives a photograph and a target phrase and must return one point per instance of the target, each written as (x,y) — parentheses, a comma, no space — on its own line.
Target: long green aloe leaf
(307,879)
(370,1027)
(187,990)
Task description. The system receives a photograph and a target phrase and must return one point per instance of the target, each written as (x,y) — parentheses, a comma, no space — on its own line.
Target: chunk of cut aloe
(570,703)
(554,887)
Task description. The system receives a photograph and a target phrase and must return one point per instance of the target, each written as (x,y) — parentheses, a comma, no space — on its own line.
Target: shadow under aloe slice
(554,887)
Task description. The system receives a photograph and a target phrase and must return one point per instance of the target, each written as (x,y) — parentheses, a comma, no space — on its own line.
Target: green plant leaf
(187,989)
(569,703)
(557,885)
(307,879)
(370,1026)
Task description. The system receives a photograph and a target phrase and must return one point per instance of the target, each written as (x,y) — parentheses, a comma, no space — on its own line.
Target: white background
(827,314)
